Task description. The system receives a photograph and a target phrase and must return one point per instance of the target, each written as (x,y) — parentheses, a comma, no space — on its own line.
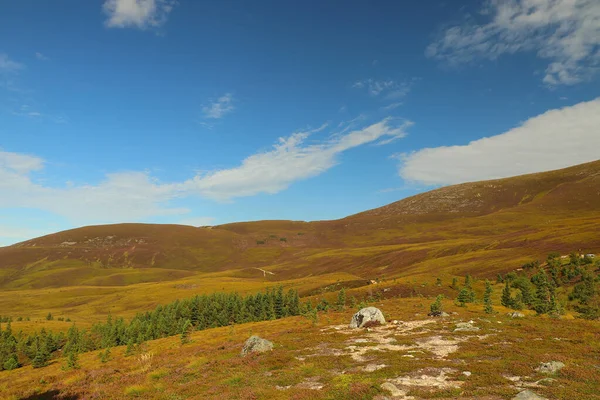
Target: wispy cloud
(388,88)
(219,108)
(41,57)
(290,160)
(134,196)
(140,14)
(556,139)
(8,65)
(391,106)
(565,32)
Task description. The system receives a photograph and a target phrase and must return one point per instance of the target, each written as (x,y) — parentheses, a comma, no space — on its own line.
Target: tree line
(177,318)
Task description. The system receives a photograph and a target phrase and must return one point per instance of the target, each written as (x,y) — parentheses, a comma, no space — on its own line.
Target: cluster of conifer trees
(176,318)
(539,292)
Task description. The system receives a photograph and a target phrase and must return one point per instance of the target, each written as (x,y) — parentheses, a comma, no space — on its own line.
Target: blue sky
(212,112)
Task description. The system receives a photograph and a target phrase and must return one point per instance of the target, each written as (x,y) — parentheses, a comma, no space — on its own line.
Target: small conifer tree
(341,300)
(463,297)
(436,307)
(185,332)
(487,298)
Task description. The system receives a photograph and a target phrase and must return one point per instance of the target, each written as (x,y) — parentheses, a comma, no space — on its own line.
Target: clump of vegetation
(436,308)
(371,324)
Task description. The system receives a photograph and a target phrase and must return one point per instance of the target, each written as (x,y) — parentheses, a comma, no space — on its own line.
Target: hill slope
(481,228)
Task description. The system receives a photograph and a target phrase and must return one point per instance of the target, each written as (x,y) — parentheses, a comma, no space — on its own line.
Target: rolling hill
(480,228)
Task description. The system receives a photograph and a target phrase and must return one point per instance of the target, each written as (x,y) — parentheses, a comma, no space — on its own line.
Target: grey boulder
(365,315)
(256,344)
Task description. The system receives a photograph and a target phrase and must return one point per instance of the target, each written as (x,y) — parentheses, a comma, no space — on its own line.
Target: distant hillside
(480,226)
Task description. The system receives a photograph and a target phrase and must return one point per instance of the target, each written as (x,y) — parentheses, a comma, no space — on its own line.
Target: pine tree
(72,361)
(436,308)
(463,297)
(506,300)
(454,283)
(468,281)
(11,362)
(41,358)
(341,300)
(278,303)
(541,303)
(185,332)
(487,298)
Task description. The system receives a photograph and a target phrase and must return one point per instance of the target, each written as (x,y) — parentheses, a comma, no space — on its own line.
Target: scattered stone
(516,314)
(366,315)
(551,367)
(394,391)
(467,373)
(465,327)
(438,345)
(528,395)
(373,367)
(256,344)
(429,377)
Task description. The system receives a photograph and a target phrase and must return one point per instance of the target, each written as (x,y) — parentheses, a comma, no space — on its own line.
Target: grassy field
(325,360)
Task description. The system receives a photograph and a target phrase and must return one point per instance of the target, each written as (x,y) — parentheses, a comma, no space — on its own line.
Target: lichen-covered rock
(368,314)
(528,395)
(551,367)
(256,344)
(465,327)
(516,314)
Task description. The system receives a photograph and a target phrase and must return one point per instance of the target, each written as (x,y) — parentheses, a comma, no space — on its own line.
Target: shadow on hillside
(50,395)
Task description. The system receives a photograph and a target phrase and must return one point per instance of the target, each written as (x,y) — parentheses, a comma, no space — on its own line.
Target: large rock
(365,315)
(256,345)
(528,395)
(551,367)
(516,314)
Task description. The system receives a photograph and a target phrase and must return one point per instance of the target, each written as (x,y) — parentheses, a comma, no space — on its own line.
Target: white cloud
(41,57)
(391,106)
(565,32)
(388,88)
(20,163)
(8,65)
(219,108)
(556,139)
(137,13)
(135,196)
(290,160)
